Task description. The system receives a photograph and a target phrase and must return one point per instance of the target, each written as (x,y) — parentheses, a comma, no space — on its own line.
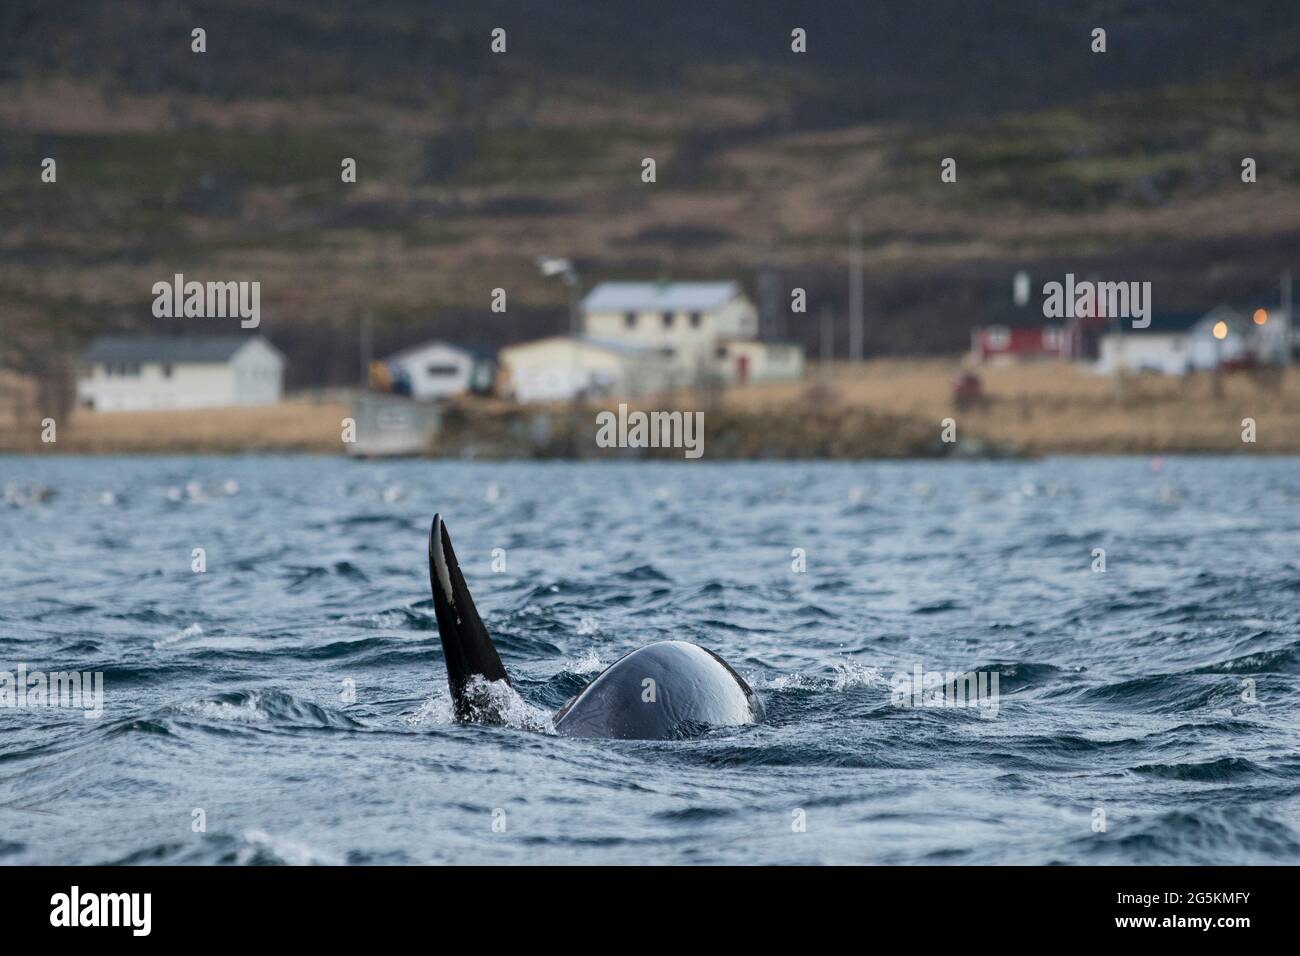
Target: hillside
(226,164)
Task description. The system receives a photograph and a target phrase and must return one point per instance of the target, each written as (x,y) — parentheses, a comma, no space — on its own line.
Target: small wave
(261,849)
(1206,836)
(243,711)
(644,572)
(1225,768)
(305,574)
(401,617)
(937,607)
(1160,693)
(194,630)
(20,496)
(1282,659)
(270,708)
(139,726)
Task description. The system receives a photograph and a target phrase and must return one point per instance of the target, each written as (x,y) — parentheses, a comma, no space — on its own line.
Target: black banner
(332,905)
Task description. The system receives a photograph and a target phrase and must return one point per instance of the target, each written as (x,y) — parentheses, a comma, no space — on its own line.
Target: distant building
(1005,343)
(1179,342)
(1275,339)
(740,360)
(1016,330)
(561,368)
(1164,346)
(132,373)
(708,330)
(441,370)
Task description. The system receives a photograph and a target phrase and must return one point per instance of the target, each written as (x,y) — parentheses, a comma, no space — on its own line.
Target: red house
(1007,343)
(1018,331)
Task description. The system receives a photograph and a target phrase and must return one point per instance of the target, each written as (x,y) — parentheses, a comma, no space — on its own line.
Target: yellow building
(705,329)
(561,368)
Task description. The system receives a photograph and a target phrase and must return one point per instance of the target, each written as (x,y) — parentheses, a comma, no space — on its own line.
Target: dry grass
(1053,407)
(1042,408)
(289,426)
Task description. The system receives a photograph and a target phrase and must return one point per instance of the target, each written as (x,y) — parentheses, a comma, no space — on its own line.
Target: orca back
(665,691)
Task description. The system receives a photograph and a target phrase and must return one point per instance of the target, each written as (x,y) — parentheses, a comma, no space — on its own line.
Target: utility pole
(1288,342)
(367,345)
(827,341)
(855,290)
(771,318)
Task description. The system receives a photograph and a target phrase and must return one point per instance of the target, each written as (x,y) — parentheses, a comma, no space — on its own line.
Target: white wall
(437,370)
(1140,351)
(738,319)
(253,376)
(189,386)
(766,361)
(258,374)
(558,369)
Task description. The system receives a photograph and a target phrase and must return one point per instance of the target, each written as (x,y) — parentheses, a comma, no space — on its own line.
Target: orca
(669,690)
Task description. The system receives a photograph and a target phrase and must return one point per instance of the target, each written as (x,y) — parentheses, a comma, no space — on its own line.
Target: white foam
(491,702)
(244,713)
(848,675)
(194,630)
(291,852)
(852,674)
(588,663)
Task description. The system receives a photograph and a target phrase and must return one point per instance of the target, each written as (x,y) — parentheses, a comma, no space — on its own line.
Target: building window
(998,337)
(668,320)
(695,320)
(629,320)
(441,371)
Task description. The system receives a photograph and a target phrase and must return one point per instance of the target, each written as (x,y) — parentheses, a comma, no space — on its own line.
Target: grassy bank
(885,408)
(290,426)
(1056,408)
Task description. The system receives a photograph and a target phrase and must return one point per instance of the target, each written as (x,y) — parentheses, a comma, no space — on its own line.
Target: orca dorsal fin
(466,646)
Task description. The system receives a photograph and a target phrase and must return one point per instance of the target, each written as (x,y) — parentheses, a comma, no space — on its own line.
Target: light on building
(1260,316)
(1220,329)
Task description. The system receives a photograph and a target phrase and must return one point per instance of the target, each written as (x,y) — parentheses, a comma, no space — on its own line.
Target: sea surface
(288,704)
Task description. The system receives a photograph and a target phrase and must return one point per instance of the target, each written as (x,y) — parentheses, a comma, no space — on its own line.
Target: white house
(561,368)
(440,370)
(1178,343)
(707,329)
(132,373)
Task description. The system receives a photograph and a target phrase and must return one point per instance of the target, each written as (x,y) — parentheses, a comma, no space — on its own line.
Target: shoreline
(887,409)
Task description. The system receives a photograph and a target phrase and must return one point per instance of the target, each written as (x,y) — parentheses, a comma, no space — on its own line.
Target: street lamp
(551,266)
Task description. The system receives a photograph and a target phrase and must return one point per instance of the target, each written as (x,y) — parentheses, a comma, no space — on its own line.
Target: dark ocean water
(1159,697)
